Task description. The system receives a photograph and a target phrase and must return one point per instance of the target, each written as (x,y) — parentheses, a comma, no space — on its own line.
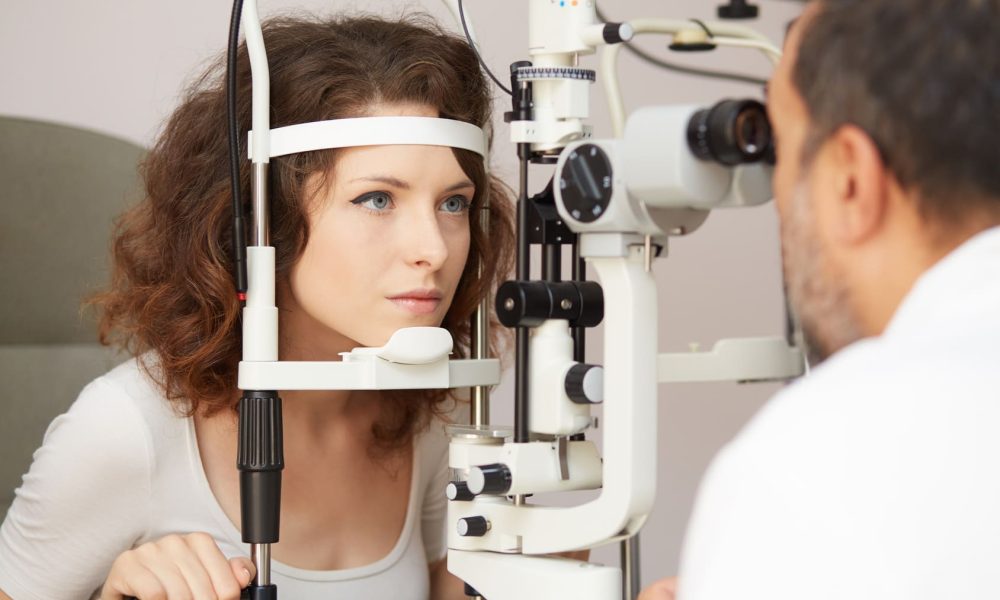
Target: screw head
(566,304)
(508,304)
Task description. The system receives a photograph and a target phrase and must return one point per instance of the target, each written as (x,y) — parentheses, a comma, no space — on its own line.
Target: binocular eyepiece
(731,133)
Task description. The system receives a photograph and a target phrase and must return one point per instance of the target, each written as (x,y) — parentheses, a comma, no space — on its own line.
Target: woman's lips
(417,306)
(418,302)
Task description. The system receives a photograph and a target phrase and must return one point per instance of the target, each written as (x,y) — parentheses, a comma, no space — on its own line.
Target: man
(878,476)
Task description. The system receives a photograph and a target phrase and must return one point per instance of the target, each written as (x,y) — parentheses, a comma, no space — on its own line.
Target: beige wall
(118,66)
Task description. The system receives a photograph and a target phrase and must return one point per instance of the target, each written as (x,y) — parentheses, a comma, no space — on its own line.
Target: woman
(134,491)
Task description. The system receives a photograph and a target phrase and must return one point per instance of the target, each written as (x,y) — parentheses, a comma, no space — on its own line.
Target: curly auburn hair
(171,288)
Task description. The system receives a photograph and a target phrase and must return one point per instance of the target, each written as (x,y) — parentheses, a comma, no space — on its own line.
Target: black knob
(260,459)
(523,303)
(473,526)
(615,33)
(458,491)
(489,479)
(585,384)
(531,303)
(586,183)
(738,9)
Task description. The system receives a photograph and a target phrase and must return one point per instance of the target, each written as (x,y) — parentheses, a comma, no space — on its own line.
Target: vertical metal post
(631,579)
(552,262)
(579,273)
(480,413)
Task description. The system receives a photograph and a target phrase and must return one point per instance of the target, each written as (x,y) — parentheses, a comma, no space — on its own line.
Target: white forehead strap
(373,131)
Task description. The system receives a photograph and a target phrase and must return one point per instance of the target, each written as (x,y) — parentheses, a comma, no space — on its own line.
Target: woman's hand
(664,589)
(177,567)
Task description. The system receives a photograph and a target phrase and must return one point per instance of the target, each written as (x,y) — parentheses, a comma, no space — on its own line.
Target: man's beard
(819,296)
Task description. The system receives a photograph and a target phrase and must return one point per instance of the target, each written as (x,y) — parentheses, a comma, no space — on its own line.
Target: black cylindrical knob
(261,592)
(489,479)
(521,97)
(260,459)
(473,526)
(591,311)
(458,491)
(738,9)
(616,33)
(523,303)
(585,384)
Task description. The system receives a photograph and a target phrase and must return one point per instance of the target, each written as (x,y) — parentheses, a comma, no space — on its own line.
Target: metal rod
(552,262)
(579,273)
(260,554)
(480,413)
(649,253)
(521,426)
(631,580)
(259,234)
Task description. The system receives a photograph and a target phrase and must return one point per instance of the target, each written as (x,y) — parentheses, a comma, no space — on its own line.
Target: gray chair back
(60,189)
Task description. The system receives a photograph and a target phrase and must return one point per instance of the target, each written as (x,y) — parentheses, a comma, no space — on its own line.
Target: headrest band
(373,131)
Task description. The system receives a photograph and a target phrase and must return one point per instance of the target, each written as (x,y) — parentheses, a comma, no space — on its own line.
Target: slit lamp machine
(615,202)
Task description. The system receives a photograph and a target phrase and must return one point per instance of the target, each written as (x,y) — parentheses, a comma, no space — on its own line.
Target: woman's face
(388,242)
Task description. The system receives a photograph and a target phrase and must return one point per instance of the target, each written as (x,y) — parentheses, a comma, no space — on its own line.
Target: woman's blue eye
(376,201)
(455,204)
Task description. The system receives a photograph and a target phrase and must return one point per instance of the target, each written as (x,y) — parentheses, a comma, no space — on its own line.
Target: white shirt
(121,468)
(877,477)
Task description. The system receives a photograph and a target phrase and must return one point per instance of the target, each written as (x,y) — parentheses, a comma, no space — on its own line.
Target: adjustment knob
(616,33)
(473,526)
(458,491)
(738,9)
(586,183)
(585,384)
(489,479)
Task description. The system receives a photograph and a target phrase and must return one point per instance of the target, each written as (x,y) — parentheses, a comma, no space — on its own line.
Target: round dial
(585,183)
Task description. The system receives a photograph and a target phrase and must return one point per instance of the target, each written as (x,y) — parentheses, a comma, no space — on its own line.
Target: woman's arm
(444,585)
(83,502)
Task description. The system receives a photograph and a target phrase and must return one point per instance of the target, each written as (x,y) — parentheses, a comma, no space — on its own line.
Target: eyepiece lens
(733,132)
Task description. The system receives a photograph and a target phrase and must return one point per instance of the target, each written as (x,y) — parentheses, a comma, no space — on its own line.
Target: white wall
(118,66)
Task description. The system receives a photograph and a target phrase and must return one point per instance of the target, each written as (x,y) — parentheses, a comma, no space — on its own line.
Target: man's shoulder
(876,395)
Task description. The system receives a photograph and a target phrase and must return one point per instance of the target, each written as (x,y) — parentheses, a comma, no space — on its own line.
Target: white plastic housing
(515,577)
(628,472)
(260,315)
(660,169)
(552,412)
(751,186)
(744,360)
(535,467)
(555,29)
(626,213)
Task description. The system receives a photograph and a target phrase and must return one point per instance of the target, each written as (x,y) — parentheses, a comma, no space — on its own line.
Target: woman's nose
(424,242)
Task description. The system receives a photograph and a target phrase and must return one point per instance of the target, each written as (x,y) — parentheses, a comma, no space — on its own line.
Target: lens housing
(733,132)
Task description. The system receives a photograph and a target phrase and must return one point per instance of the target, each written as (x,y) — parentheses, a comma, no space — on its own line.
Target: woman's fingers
(664,589)
(244,570)
(156,558)
(129,579)
(178,567)
(180,552)
(226,580)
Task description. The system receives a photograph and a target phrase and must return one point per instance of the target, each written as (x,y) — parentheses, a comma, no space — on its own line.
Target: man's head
(887,119)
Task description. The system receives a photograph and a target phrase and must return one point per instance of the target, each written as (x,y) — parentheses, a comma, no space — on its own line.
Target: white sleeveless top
(120,469)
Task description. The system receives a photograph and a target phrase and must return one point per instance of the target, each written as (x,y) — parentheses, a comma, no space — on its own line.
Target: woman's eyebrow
(460,185)
(399,183)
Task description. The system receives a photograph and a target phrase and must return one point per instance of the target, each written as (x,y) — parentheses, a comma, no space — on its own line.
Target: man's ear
(860,183)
